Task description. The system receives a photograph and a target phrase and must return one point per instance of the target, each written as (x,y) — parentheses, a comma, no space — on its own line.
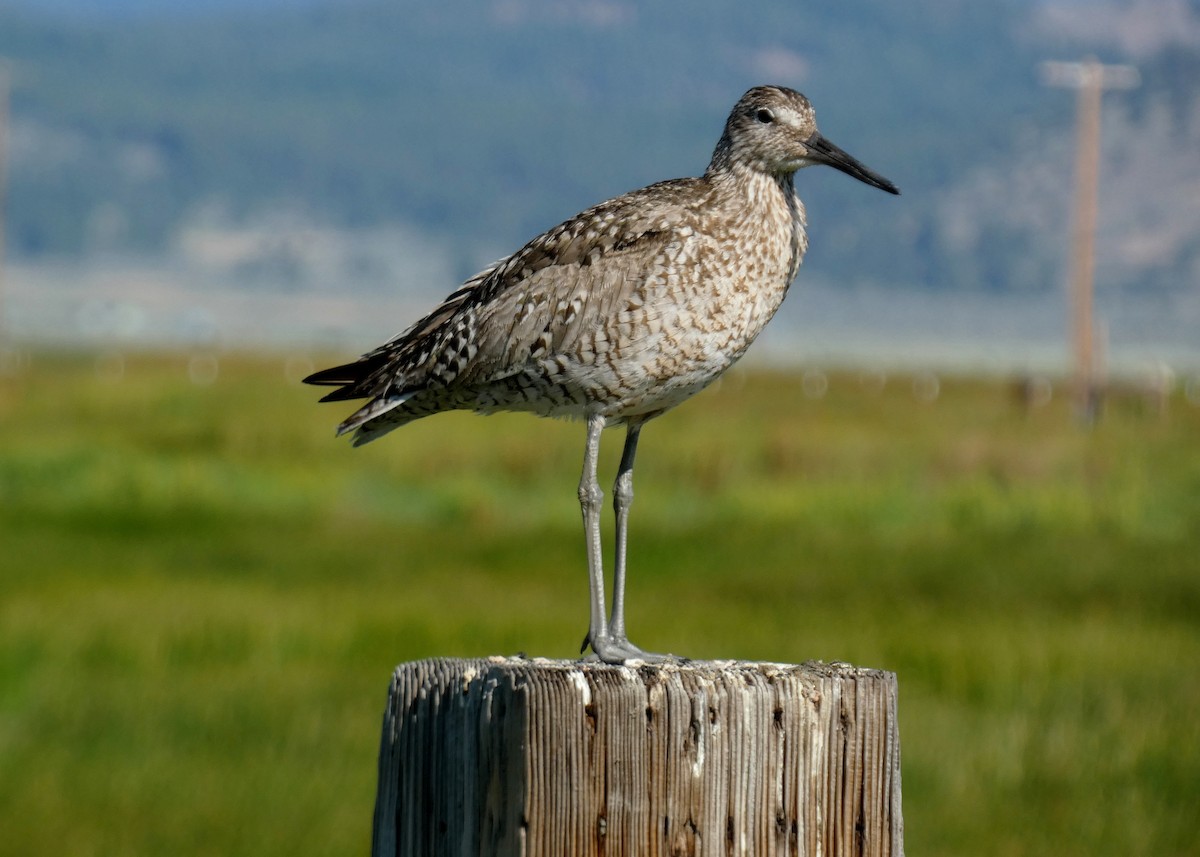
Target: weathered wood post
(508,756)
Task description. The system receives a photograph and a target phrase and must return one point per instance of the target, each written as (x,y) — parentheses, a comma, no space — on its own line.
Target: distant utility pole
(1090,78)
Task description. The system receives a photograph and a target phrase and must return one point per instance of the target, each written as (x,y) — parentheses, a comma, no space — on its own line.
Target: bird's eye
(765,116)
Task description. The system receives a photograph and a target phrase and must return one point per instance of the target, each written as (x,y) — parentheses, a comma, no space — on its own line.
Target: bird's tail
(362,380)
(378,417)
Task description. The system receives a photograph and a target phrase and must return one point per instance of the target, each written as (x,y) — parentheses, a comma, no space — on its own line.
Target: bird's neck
(761,190)
(756,194)
(767,204)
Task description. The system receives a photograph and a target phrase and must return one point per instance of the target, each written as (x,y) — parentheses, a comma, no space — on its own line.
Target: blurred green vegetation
(203,593)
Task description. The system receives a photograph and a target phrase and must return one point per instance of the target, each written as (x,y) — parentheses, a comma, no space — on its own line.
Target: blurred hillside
(360,147)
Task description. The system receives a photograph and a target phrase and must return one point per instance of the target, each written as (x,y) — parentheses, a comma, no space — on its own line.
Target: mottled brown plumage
(616,315)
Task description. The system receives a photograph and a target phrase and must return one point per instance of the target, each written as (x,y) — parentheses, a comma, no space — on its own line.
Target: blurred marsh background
(202,594)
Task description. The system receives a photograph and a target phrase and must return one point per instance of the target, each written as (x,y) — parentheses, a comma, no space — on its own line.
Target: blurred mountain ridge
(228,137)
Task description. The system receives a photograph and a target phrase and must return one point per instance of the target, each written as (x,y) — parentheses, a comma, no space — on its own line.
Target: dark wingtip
(347,377)
(343,394)
(336,375)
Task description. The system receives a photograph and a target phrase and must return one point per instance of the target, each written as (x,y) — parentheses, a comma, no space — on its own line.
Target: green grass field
(203,594)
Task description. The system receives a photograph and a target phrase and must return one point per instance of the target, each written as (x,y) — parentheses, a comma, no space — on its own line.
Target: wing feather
(561,285)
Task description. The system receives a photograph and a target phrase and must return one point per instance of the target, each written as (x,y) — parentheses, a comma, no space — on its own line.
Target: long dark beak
(824,152)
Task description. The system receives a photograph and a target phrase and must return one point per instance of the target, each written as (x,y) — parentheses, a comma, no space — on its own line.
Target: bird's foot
(618,650)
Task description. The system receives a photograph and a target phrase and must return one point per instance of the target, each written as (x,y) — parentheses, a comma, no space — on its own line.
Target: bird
(615,316)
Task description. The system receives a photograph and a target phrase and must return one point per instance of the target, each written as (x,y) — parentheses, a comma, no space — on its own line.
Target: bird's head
(772,129)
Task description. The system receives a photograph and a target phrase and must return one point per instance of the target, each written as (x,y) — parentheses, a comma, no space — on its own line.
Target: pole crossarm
(1089,72)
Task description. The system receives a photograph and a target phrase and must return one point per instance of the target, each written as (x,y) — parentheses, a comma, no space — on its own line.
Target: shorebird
(615,316)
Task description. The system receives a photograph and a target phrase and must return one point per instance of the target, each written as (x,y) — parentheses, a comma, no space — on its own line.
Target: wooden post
(509,756)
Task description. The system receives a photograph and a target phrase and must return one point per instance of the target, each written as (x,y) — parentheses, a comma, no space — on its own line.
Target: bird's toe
(618,651)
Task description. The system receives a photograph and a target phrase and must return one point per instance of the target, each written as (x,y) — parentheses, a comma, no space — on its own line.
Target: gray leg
(590,499)
(610,643)
(622,498)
